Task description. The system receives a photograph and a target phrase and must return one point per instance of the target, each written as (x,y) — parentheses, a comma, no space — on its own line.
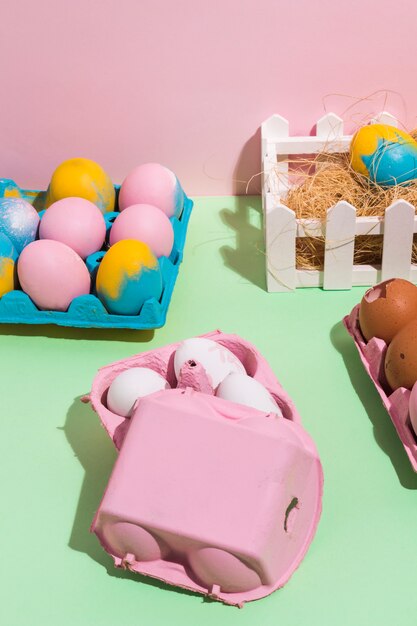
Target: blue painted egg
(385,154)
(128,275)
(19,221)
(8,257)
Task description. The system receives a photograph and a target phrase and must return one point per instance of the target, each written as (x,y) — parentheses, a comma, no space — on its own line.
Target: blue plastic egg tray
(87,311)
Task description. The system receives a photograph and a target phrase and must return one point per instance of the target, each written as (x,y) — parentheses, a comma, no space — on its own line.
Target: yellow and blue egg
(82,178)
(128,275)
(8,258)
(385,154)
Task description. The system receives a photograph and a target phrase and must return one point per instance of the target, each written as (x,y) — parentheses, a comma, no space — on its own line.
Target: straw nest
(323,181)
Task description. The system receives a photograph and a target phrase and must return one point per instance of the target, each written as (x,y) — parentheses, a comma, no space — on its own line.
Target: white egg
(130,385)
(243,389)
(217,360)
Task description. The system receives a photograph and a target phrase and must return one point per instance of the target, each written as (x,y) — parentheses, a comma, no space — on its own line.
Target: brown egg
(401,358)
(386,308)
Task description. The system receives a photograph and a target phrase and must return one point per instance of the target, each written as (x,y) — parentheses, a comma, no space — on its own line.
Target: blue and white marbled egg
(19,221)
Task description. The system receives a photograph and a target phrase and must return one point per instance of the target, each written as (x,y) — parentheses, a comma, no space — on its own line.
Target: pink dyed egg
(146,223)
(52,274)
(76,222)
(155,184)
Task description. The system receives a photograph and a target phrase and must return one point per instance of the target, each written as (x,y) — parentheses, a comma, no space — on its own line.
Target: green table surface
(361,568)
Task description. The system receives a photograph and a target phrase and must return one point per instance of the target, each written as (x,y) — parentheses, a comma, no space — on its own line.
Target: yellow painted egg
(82,178)
(128,275)
(8,257)
(385,154)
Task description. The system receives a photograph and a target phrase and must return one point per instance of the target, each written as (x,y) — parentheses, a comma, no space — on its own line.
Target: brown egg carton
(372,354)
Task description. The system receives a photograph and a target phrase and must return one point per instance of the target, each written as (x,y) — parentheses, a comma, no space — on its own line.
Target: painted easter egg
(52,274)
(385,154)
(19,221)
(8,257)
(217,360)
(128,275)
(77,222)
(147,223)
(82,178)
(155,184)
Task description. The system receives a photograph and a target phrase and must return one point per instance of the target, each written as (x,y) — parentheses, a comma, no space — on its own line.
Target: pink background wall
(188,82)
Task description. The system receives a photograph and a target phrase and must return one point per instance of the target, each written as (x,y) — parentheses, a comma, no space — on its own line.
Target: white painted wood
(312,145)
(275,126)
(385,118)
(413,274)
(309,278)
(339,246)
(371,225)
(279,246)
(329,127)
(364,275)
(398,240)
(310,228)
(274,166)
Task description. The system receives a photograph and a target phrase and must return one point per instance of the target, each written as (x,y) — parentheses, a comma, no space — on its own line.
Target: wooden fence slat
(274,166)
(280,230)
(339,246)
(312,145)
(329,126)
(385,118)
(398,240)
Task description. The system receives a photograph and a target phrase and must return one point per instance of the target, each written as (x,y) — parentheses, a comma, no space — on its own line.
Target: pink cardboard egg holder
(206,494)
(372,354)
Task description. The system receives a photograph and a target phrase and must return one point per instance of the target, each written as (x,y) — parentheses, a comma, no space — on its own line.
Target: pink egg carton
(372,354)
(207,494)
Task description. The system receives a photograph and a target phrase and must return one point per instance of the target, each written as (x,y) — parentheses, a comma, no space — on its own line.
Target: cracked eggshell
(386,308)
(217,360)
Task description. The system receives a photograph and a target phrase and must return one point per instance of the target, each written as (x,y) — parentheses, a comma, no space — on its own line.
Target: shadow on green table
(248,257)
(96,453)
(63,332)
(384,431)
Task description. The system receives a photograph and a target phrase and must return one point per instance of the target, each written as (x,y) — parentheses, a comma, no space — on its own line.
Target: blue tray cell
(87,311)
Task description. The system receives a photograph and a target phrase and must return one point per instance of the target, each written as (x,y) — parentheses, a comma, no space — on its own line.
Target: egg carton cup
(206,494)
(87,311)
(372,355)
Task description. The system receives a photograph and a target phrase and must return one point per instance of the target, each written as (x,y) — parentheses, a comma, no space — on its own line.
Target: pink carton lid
(372,354)
(206,494)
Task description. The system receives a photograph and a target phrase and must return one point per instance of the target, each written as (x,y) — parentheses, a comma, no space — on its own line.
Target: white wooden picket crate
(341,225)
